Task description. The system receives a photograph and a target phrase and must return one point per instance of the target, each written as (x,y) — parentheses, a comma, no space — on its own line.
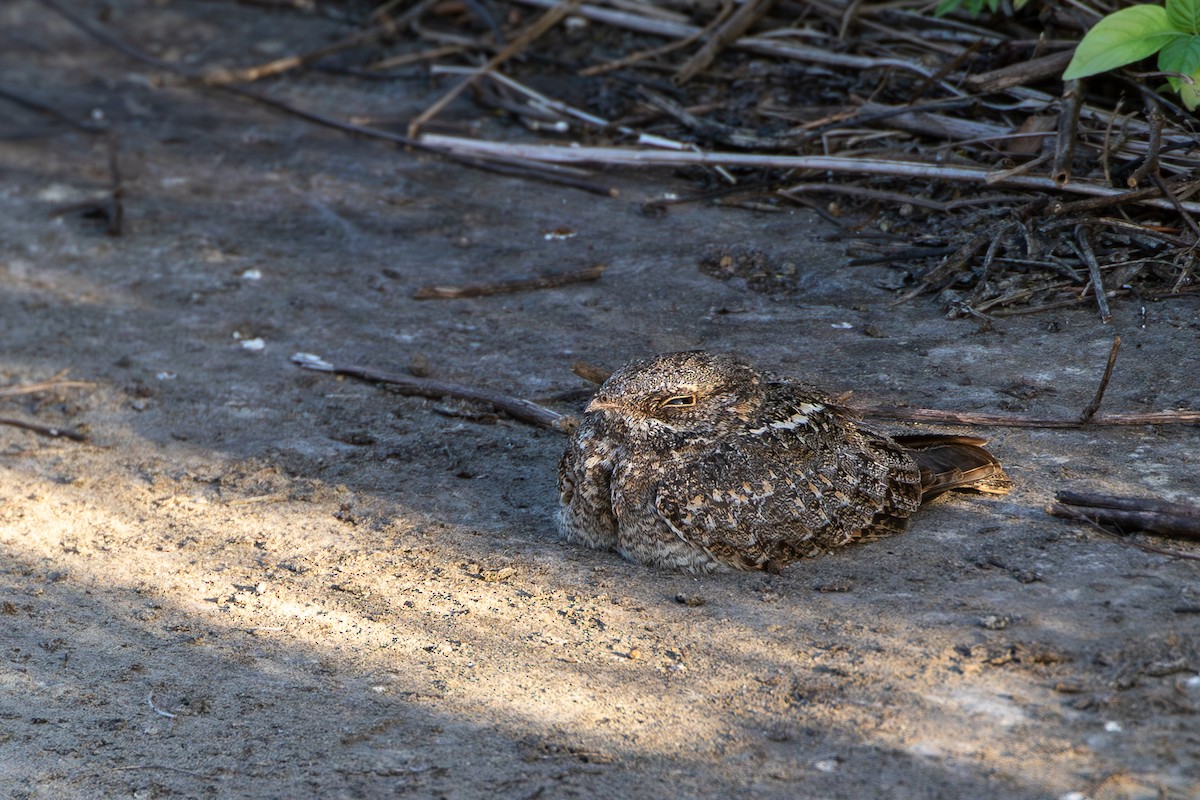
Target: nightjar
(701,462)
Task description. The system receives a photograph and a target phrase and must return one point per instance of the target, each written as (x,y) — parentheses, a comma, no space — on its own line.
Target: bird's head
(687,393)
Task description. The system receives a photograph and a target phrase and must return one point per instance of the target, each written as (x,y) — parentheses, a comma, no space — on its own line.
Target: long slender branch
(1011,421)
(515,407)
(45,430)
(626,156)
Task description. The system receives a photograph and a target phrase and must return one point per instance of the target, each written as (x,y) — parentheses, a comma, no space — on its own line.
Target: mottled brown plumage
(699,461)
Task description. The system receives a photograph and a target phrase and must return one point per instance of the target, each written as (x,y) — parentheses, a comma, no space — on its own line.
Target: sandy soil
(259,582)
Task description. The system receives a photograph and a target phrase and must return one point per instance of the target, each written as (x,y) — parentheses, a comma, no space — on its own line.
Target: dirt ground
(259,582)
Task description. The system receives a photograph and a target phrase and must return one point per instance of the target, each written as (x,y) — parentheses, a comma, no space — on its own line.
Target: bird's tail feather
(949,461)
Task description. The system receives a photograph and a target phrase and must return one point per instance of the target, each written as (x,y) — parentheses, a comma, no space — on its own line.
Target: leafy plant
(1136,32)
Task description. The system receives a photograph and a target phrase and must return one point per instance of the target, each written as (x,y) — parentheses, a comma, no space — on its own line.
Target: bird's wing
(794,486)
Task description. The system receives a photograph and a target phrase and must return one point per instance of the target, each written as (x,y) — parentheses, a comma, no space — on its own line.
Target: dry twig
(552,281)
(908,414)
(53,383)
(1084,247)
(518,409)
(626,156)
(45,430)
(1090,410)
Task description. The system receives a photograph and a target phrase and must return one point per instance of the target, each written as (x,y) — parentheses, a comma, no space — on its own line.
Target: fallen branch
(507,287)
(518,409)
(626,156)
(904,414)
(1129,513)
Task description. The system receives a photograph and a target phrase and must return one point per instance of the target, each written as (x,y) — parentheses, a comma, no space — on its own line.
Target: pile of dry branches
(949,146)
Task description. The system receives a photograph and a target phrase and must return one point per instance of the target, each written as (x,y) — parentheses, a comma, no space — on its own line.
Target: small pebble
(995,622)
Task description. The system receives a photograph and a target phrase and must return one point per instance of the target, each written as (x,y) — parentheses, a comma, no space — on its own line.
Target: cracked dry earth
(258,582)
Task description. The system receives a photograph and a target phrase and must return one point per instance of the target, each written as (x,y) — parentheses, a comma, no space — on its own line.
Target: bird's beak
(600,403)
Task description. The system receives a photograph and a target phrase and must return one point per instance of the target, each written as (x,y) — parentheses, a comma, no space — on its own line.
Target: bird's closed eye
(679,401)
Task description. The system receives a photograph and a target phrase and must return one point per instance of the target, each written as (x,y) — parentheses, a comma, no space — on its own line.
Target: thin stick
(544,23)
(116,213)
(221,75)
(1009,421)
(413,58)
(627,156)
(1068,121)
(518,409)
(507,287)
(1167,193)
(44,386)
(1085,251)
(1096,203)
(1150,165)
(61,433)
(1090,410)
(741,21)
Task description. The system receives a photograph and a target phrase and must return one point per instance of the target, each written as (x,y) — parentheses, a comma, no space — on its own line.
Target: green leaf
(1182,54)
(1121,38)
(1184,15)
